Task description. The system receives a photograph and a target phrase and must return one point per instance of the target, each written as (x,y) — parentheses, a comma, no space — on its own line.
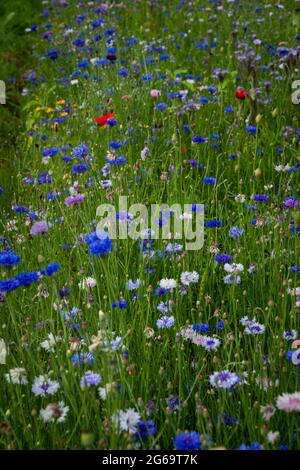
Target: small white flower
(106,390)
(88,282)
(240,198)
(273,436)
(50,343)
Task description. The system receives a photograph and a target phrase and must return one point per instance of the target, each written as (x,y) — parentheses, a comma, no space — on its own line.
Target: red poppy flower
(241,93)
(102,120)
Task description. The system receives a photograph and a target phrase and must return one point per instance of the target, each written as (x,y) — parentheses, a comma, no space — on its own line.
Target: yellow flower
(60,102)
(49,110)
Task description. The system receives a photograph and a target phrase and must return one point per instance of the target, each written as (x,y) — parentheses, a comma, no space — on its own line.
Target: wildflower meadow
(122,327)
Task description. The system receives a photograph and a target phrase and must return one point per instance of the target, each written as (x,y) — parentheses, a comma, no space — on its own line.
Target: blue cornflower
(27,278)
(228,109)
(20,209)
(210,180)
(123,72)
(201,327)
(44,178)
(101,247)
(79,168)
(253,446)
(83,358)
(115,145)
(9,258)
(145,429)
(52,268)
(223,258)
(9,284)
(197,139)
(219,326)
(187,441)
(212,223)
(161,106)
(120,303)
(82,152)
(251,129)
(261,197)
(50,152)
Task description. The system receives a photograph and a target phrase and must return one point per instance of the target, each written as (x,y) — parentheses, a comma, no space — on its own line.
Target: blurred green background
(15,59)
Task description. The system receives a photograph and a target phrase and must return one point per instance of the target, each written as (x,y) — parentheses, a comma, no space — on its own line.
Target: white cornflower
(56,412)
(17,376)
(126,420)
(189,277)
(167,283)
(145,153)
(268,411)
(106,390)
(233,268)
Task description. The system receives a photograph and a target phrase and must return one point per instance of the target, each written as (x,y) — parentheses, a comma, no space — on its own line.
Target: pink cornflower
(155,93)
(289,402)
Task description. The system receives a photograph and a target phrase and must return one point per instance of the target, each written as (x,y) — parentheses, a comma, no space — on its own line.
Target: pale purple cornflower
(163,307)
(134,285)
(230,279)
(74,200)
(165,322)
(39,227)
(224,379)
(43,386)
(90,379)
